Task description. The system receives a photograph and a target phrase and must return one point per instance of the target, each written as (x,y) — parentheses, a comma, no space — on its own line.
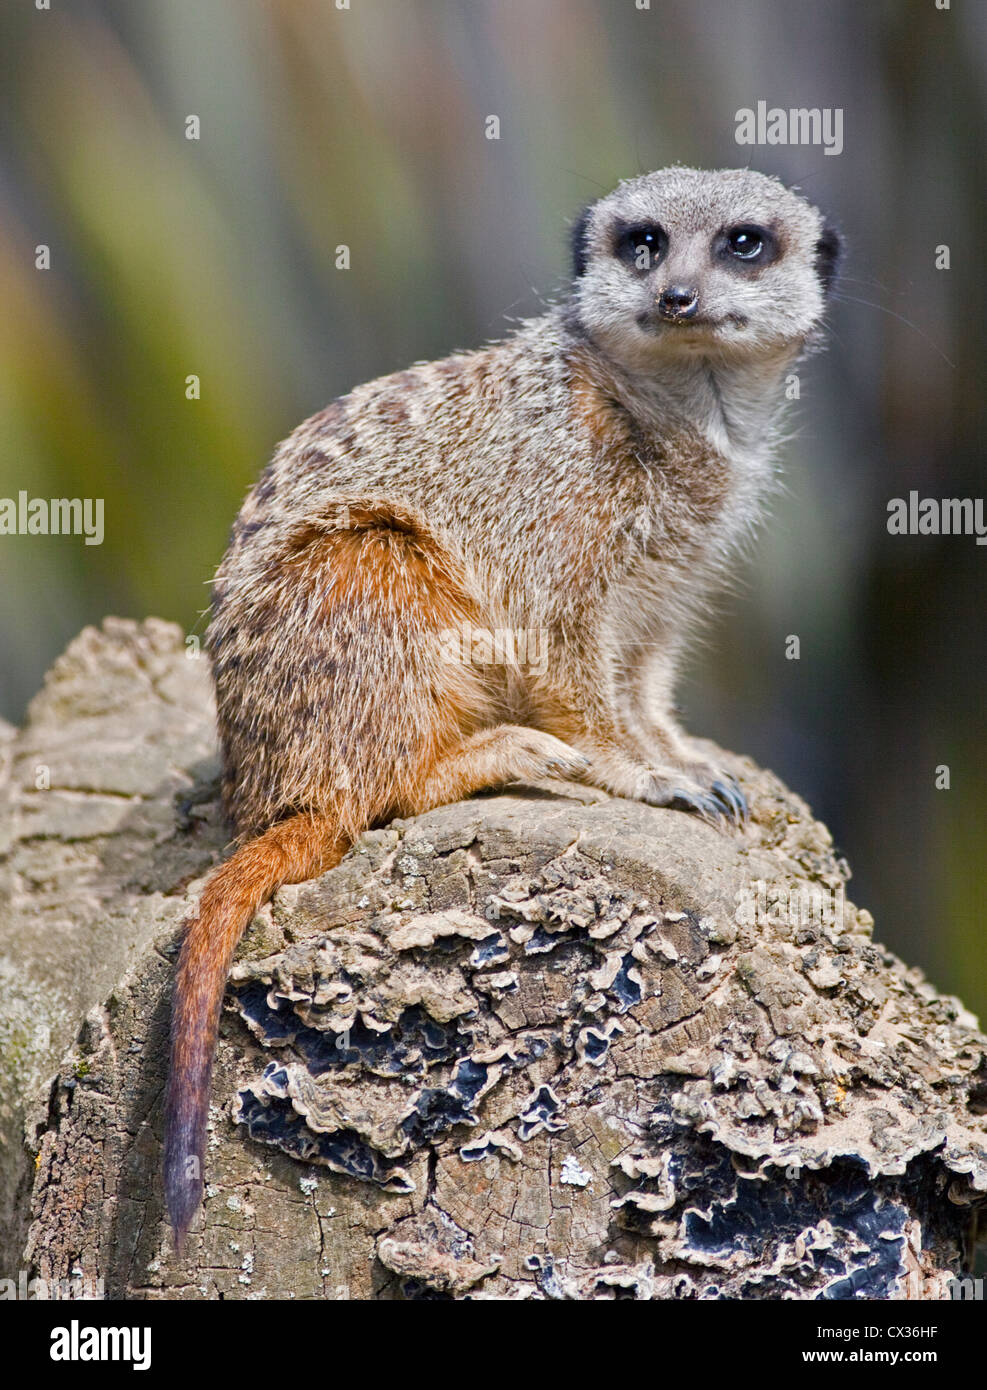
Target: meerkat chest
(697,497)
(699,504)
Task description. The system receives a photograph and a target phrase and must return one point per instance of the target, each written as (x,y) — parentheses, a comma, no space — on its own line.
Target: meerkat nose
(678,302)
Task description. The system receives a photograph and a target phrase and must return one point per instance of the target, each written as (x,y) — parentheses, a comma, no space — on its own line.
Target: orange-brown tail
(289,852)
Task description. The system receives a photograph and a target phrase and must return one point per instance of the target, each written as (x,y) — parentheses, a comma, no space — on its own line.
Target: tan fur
(587,479)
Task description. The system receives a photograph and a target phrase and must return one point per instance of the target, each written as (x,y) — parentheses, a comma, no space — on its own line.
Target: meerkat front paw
(714,795)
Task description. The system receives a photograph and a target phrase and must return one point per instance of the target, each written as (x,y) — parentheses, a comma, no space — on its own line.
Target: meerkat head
(725,263)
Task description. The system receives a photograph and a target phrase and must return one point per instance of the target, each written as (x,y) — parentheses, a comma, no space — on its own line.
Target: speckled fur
(591,476)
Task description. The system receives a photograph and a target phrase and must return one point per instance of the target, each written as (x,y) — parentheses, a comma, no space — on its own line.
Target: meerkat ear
(829,253)
(578,241)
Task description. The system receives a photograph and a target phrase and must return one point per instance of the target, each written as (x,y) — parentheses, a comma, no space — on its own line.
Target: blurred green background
(365,127)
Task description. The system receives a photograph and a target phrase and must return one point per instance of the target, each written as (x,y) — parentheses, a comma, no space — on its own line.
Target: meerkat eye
(642,245)
(746,243)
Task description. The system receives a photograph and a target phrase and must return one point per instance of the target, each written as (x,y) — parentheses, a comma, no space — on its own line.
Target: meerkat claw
(729,793)
(707,807)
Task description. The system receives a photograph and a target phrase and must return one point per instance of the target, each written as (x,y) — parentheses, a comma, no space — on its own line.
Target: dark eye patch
(746,244)
(640,244)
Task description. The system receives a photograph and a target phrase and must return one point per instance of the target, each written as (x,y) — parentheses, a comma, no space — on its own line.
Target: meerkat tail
(289,852)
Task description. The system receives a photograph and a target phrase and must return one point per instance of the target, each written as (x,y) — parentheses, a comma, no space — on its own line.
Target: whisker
(576,174)
(870,304)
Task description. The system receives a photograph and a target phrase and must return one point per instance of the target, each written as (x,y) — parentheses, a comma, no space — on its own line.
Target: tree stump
(544,1044)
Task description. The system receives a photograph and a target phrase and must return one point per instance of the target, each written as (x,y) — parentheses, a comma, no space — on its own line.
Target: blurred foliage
(365,127)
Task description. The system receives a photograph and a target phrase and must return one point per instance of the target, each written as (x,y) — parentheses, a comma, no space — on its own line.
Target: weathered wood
(544,1044)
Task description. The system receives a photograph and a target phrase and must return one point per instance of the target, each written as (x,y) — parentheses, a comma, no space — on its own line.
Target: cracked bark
(539,1045)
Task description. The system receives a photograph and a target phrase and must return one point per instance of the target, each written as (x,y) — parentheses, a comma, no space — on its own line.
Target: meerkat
(590,477)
